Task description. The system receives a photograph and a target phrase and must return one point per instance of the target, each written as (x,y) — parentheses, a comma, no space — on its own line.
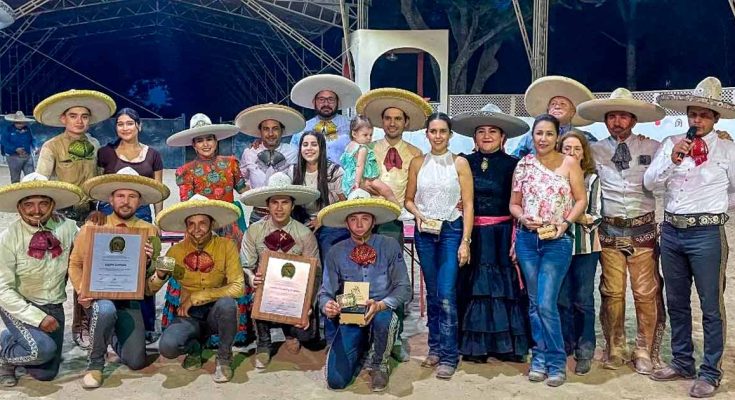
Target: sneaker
(92,379)
(378,380)
(583,367)
(262,359)
(536,376)
(152,337)
(445,372)
(222,373)
(556,380)
(430,361)
(193,360)
(7,376)
(292,345)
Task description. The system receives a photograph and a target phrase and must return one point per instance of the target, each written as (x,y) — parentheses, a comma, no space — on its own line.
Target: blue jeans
(120,324)
(438,257)
(544,264)
(577,306)
(351,342)
(696,254)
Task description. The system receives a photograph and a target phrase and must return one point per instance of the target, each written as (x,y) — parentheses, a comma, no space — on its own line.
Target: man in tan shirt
(125,191)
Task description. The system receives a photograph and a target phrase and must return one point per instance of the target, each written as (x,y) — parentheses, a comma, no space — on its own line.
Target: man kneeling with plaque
(369,263)
(34,251)
(208,270)
(116,322)
(281,234)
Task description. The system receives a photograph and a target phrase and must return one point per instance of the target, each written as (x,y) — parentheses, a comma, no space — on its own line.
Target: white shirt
(694,189)
(256,173)
(623,194)
(437,188)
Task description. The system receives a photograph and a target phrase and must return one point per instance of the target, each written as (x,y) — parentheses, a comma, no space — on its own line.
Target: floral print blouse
(545,194)
(217,178)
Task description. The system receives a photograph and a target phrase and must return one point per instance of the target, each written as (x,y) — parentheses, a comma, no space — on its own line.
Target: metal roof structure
(257,43)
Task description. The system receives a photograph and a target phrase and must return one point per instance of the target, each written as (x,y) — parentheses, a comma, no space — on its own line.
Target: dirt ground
(301,377)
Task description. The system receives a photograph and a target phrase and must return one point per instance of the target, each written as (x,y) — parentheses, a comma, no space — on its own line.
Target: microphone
(691,134)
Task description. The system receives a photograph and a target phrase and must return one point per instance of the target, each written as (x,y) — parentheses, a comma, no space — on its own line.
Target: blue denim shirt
(13,138)
(387,276)
(525,145)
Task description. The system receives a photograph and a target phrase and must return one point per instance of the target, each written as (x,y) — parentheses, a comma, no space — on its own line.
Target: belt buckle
(679,222)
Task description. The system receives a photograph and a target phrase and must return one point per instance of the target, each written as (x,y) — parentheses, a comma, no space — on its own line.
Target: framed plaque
(115,266)
(287,290)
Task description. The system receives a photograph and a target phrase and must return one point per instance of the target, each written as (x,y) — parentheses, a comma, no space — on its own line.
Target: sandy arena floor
(301,377)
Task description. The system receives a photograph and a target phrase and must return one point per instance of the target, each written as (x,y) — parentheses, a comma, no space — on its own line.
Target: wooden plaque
(116,263)
(287,290)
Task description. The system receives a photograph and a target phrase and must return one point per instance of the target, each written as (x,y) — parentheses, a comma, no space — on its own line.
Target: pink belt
(485,221)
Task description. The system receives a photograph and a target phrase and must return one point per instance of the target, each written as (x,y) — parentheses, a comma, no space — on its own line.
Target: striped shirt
(586,238)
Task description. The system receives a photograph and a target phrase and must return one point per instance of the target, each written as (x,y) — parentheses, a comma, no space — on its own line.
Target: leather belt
(620,222)
(684,221)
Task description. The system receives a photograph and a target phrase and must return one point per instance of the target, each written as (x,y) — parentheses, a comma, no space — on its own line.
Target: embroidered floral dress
(218,179)
(349,164)
(545,194)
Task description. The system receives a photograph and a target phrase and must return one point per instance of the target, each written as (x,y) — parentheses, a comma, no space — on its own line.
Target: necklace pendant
(484,165)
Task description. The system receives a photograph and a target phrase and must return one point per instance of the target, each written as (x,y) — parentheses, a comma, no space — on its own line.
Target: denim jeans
(28,346)
(577,306)
(438,258)
(352,342)
(696,254)
(120,324)
(544,264)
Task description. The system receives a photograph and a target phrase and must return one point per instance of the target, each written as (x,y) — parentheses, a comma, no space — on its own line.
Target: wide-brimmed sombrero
(279,184)
(102,186)
(542,90)
(620,100)
(249,119)
(35,184)
(303,91)
(373,103)
(335,215)
(467,122)
(7,16)
(201,125)
(18,117)
(100,106)
(707,94)
(173,218)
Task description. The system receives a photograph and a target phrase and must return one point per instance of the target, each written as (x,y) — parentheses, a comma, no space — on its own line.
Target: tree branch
(494,32)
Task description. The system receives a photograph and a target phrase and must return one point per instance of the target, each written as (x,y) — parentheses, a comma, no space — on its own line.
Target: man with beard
(210,278)
(71,157)
(364,257)
(279,233)
(558,96)
(267,156)
(34,252)
(395,110)
(117,322)
(325,94)
(628,230)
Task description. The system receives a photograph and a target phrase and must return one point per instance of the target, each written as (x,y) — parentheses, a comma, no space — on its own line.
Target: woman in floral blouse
(548,193)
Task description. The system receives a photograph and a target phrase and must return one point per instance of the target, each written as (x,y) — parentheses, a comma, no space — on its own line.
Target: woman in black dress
(492,302)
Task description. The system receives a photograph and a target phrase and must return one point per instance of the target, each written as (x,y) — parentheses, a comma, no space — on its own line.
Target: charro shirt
(692,189)
(396,178)
(623,194)
(256,172)
(55,160)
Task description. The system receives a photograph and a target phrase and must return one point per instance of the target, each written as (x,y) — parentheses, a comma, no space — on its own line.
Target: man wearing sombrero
(364,257)
(71,157)
(18,145)
(628,230)
(696,176)
(326,94)
(269,123)
(34,252)
(125,191)
(210,278)
(395,110)
(558,96)
(279,233)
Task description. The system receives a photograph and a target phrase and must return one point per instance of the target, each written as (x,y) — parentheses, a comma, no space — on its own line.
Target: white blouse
(437,188)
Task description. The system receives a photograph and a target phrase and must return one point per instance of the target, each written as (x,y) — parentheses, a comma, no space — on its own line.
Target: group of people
(508,245)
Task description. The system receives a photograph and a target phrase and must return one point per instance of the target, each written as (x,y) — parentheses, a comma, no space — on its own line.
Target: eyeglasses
(328,100)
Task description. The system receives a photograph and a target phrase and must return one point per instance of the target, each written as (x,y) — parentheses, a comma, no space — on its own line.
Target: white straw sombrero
(620,100)
(200,125)
(249,119)
(707,94)
(303,91)
(467,122)
(279,184)
(542,90)
(102,186)
(373,103)
(173,218)
(335,215)
(35,184)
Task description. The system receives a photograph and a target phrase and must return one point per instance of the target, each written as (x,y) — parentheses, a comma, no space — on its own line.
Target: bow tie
(122,225)
(327,128)
(42,242)
(364,255)
(392,159)
(200,261)
(279,240)
(271,158)
(622,157)
(699,151)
